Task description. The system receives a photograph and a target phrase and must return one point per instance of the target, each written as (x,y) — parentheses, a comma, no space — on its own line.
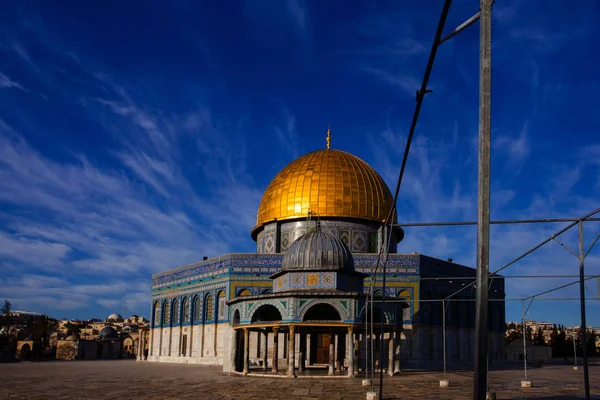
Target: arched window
(266,291)
(197,310)
(236,317)
(156,314)
(321,312)
(266,313)
(186,310)
(166,313)
(221,305)
(175,311)
(208,308)
(244,292)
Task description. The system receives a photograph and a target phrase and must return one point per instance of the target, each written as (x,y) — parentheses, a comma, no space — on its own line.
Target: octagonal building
(298,305)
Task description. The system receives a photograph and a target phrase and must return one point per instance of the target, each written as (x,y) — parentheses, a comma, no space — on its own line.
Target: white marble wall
(205,344)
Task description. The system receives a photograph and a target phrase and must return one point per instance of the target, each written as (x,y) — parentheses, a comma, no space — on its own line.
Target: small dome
(115,317)
(108,333)
(318,250)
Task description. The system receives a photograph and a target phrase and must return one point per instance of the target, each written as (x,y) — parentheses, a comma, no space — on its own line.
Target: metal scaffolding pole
(586,376)
(483,200)
(524,338)
(498,222)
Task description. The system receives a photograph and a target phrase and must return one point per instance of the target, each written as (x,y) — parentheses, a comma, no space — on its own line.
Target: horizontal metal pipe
(460,28)
(491,299)
(506,277)
(500,222)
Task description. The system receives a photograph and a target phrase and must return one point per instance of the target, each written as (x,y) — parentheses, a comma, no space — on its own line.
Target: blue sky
(136,136)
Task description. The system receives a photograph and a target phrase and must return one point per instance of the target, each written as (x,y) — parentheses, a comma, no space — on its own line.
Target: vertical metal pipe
(382,309)
(444,333)
(586,376)
(483,200)
(524,338)
(574,350)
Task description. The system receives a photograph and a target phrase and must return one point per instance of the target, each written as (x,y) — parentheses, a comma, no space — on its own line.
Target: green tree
(539,338)
(6,308)
(554,341)
(529,333)
(43,326)
(512,335)
(591,343)
(6,317)
(73,329)
(564,348)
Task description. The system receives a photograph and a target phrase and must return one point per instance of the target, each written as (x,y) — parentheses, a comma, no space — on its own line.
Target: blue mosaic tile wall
(267,264)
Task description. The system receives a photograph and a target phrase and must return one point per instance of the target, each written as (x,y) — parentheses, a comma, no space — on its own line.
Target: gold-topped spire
(328,137)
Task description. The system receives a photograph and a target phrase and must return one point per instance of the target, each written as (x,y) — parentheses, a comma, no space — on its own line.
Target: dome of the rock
(328,183)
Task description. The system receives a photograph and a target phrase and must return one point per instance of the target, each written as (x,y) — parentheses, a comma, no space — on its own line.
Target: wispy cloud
(406,83)
(298,13)
(517,149)
(286,133)
(7,83)
(35,291)
(541,39)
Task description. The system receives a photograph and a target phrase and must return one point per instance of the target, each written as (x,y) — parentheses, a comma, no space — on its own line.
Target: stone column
(151,337)
(350,352)
(233,349)
(391,353)
(356,347)
(301,352)
(292,353)
(138,352)
(331,354)
(398,351)
(143,349)
(246,349)
(337,352)
(275,350)
(265,349)
(307,348)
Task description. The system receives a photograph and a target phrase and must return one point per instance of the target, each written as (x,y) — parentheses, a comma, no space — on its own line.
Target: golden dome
(330,183)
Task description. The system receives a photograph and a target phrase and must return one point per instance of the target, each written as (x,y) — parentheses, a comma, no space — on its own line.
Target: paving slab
(119,379)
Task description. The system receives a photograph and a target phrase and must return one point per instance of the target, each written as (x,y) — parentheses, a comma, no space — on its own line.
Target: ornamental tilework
(195,277)
(394,260)
(359,241)
(285,241)
(332,231)
(303,280)
(269,243)
(259,246)
(335,303)
(299,233)
(210,267)
(345,237)
(249,308)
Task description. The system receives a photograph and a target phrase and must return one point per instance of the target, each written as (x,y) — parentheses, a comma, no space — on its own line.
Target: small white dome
(115,317)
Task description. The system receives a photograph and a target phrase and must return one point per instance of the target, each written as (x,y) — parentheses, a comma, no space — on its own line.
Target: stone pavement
(123,379)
